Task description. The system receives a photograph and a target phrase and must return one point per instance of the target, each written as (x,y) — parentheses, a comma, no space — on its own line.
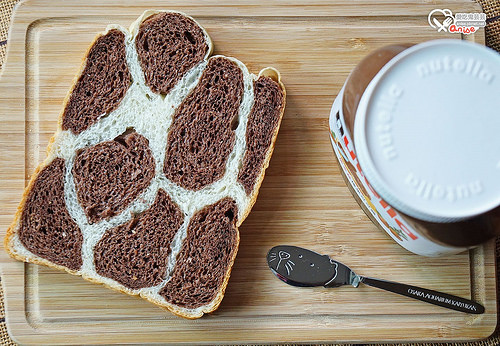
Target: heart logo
(435,23)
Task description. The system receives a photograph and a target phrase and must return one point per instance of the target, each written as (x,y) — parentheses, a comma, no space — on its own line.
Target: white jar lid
(427,131)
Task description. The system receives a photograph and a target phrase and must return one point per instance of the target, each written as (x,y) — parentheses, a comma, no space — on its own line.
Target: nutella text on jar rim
(416,131)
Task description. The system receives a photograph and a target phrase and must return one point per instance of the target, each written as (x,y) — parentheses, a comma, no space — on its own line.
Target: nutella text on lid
(425,143)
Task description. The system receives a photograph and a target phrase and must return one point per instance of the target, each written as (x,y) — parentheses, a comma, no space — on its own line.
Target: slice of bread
(158,157)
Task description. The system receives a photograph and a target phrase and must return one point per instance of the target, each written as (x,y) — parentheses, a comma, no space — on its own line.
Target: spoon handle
(430,296)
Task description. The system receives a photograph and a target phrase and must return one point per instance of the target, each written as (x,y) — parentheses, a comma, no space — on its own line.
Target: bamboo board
(303,200)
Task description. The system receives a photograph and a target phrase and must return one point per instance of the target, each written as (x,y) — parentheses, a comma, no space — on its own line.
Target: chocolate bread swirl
(158,158)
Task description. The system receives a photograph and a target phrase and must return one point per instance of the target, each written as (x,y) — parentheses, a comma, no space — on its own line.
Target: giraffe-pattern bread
(158,157)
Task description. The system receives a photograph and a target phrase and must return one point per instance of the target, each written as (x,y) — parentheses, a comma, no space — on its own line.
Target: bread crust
(274,74)
(26,256)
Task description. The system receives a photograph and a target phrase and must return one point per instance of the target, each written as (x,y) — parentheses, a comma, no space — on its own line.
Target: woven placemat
(490,7)
(6,7)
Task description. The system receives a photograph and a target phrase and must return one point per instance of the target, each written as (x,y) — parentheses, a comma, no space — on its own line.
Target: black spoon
(304,268)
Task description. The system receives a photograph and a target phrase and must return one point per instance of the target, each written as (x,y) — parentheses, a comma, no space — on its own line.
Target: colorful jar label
(387,217)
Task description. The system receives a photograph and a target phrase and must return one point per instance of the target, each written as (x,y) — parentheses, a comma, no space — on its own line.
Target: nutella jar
(416,131)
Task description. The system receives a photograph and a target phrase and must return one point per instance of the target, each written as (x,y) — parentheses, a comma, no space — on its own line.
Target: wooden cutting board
(303,200)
